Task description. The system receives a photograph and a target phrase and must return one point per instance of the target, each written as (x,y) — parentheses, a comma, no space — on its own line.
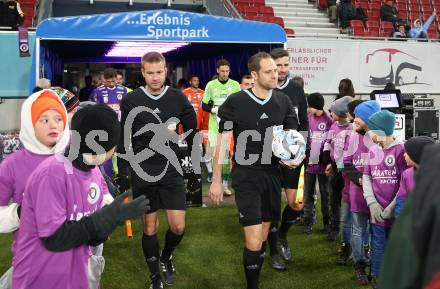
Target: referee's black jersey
(296,95)
(252,120)
(171,103)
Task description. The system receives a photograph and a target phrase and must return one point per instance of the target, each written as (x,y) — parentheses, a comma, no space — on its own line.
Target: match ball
(288,145)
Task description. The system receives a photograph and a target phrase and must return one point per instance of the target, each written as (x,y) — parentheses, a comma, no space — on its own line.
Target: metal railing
(44,10)
(221,8)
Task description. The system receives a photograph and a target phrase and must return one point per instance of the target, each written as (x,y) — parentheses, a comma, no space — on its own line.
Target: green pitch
(209,257)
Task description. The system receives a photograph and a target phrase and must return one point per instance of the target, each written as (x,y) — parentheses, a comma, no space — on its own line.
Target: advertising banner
(370,64)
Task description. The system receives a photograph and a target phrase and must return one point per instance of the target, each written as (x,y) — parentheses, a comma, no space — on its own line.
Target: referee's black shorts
(168,193)
(290,177)
(257,194)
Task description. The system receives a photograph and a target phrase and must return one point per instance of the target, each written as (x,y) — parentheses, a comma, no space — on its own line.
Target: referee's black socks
(288,219)
(262,255)
(251,264)
(171,242)
(272,238)
(150,246)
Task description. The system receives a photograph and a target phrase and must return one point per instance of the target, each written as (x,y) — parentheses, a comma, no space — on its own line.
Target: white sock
(209,166)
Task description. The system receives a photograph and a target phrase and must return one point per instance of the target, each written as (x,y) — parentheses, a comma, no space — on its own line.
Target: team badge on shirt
(322,126)
(105,99)
(390,160)
(94,193)
(119,97)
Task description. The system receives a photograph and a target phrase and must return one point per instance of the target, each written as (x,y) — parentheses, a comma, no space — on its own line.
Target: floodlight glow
(138,49)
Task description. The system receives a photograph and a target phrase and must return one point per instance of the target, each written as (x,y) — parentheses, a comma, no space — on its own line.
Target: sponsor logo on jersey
(186,162)
(105,99)
(157,110)
(390,160)
(264,116)
(94,193)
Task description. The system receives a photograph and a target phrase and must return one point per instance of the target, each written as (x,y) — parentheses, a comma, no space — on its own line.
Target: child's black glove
(104,221)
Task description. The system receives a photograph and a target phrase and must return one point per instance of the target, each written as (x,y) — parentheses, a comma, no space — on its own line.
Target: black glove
(193,184)
(208,106)
(104,221)
(122,182)
(324,157)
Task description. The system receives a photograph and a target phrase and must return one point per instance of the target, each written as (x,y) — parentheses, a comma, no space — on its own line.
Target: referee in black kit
(154,112)
(279,247)
(252,115)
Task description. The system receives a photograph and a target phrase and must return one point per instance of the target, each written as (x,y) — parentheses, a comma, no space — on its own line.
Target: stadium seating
(258,11)
(374,27)
(408,9)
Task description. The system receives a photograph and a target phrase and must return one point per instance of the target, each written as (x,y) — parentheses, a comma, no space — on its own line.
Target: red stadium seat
(401,6)
(375,6)
(363,5)
(357,23)
(427,9)
(372,24)
(269,19)
(372,32)
(426,16)
(403,15)
(289,31)
(254,18)
(425,2)
(276,20)
(414,8)
(433,35)
(250,3)
(358,31)
(252,10)
(373,14)
(386,25)
(385,33)
(241,8)
(266,10)
(414,15)
(386,28)
(250,15)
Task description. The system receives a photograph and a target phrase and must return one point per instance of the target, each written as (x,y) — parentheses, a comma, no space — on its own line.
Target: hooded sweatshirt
(17,168)
(415,32)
